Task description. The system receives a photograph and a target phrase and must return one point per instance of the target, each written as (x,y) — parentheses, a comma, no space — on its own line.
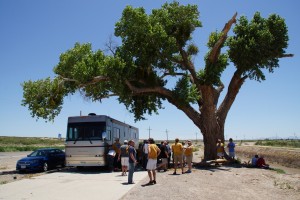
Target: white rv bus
(89,139)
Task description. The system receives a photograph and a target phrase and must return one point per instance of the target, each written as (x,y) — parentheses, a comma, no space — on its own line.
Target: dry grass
(283,156)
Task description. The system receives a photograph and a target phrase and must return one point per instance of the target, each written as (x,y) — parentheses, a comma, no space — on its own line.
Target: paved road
(8,160)
(70,185)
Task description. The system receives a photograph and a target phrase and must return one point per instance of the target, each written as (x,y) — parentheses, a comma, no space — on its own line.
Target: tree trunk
(211,126)
(210,140)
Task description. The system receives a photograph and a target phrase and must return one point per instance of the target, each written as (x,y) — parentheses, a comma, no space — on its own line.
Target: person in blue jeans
(132,161)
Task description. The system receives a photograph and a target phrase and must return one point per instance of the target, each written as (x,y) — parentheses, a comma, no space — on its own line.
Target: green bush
(279,143)
(10,144)
(26,148)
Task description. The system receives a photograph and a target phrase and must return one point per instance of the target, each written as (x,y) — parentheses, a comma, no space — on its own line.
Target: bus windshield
(85,131)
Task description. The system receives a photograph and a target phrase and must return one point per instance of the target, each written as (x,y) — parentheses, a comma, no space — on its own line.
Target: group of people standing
(182,153)
(221,150)
(164,155)
(178,150)
(126,155)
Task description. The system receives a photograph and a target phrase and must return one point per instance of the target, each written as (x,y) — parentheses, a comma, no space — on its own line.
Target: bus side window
(116,132)
(70,134)
(108,131)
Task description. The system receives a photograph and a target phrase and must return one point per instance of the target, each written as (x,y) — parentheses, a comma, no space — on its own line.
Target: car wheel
(45,167)
(63,165)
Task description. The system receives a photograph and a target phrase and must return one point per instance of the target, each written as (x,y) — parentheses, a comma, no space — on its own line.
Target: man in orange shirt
(177,150)
(153,152)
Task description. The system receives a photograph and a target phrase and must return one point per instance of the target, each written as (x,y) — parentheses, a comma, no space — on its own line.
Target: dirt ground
(223,182)
(220,183)
(210,183)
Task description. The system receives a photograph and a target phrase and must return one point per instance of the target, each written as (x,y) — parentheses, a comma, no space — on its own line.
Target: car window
(33,154)
(58,151)
(40,153)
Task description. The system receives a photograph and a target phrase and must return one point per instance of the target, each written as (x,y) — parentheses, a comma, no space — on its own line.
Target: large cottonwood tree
(156,49)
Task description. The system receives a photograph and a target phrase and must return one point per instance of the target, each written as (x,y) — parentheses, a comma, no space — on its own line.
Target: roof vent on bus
(92,114)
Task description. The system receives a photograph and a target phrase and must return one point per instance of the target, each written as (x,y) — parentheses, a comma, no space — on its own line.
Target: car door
(60,155)
(52,158)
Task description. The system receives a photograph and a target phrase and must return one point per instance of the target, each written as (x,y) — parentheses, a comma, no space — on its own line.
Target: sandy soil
(222,182)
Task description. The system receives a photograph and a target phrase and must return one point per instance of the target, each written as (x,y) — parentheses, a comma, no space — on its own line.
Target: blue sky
(34,33)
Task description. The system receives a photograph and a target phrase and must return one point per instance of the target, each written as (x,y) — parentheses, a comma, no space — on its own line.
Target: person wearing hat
(124,157)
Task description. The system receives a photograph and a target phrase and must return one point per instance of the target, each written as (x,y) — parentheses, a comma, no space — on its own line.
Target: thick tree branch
(69,80)
(188,64)
(99,79)
(106,97)
(93,81)
(217,48)
(186,108)
(217,93)
(286,55)
(180,62)
(233,89)
(171,74)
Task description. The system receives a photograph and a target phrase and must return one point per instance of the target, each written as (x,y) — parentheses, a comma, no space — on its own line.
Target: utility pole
(167,135)
(196,137)
(149,131)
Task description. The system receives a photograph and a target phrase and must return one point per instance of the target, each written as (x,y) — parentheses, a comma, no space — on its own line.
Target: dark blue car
(42,160)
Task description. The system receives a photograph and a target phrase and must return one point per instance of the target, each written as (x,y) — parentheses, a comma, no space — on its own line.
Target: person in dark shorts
(164,157)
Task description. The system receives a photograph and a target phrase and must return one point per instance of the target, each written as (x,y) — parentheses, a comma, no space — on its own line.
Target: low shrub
(279,143)
(11,144)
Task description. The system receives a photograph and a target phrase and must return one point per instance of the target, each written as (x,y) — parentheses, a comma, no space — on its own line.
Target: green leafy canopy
(258,45)
(154,62)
